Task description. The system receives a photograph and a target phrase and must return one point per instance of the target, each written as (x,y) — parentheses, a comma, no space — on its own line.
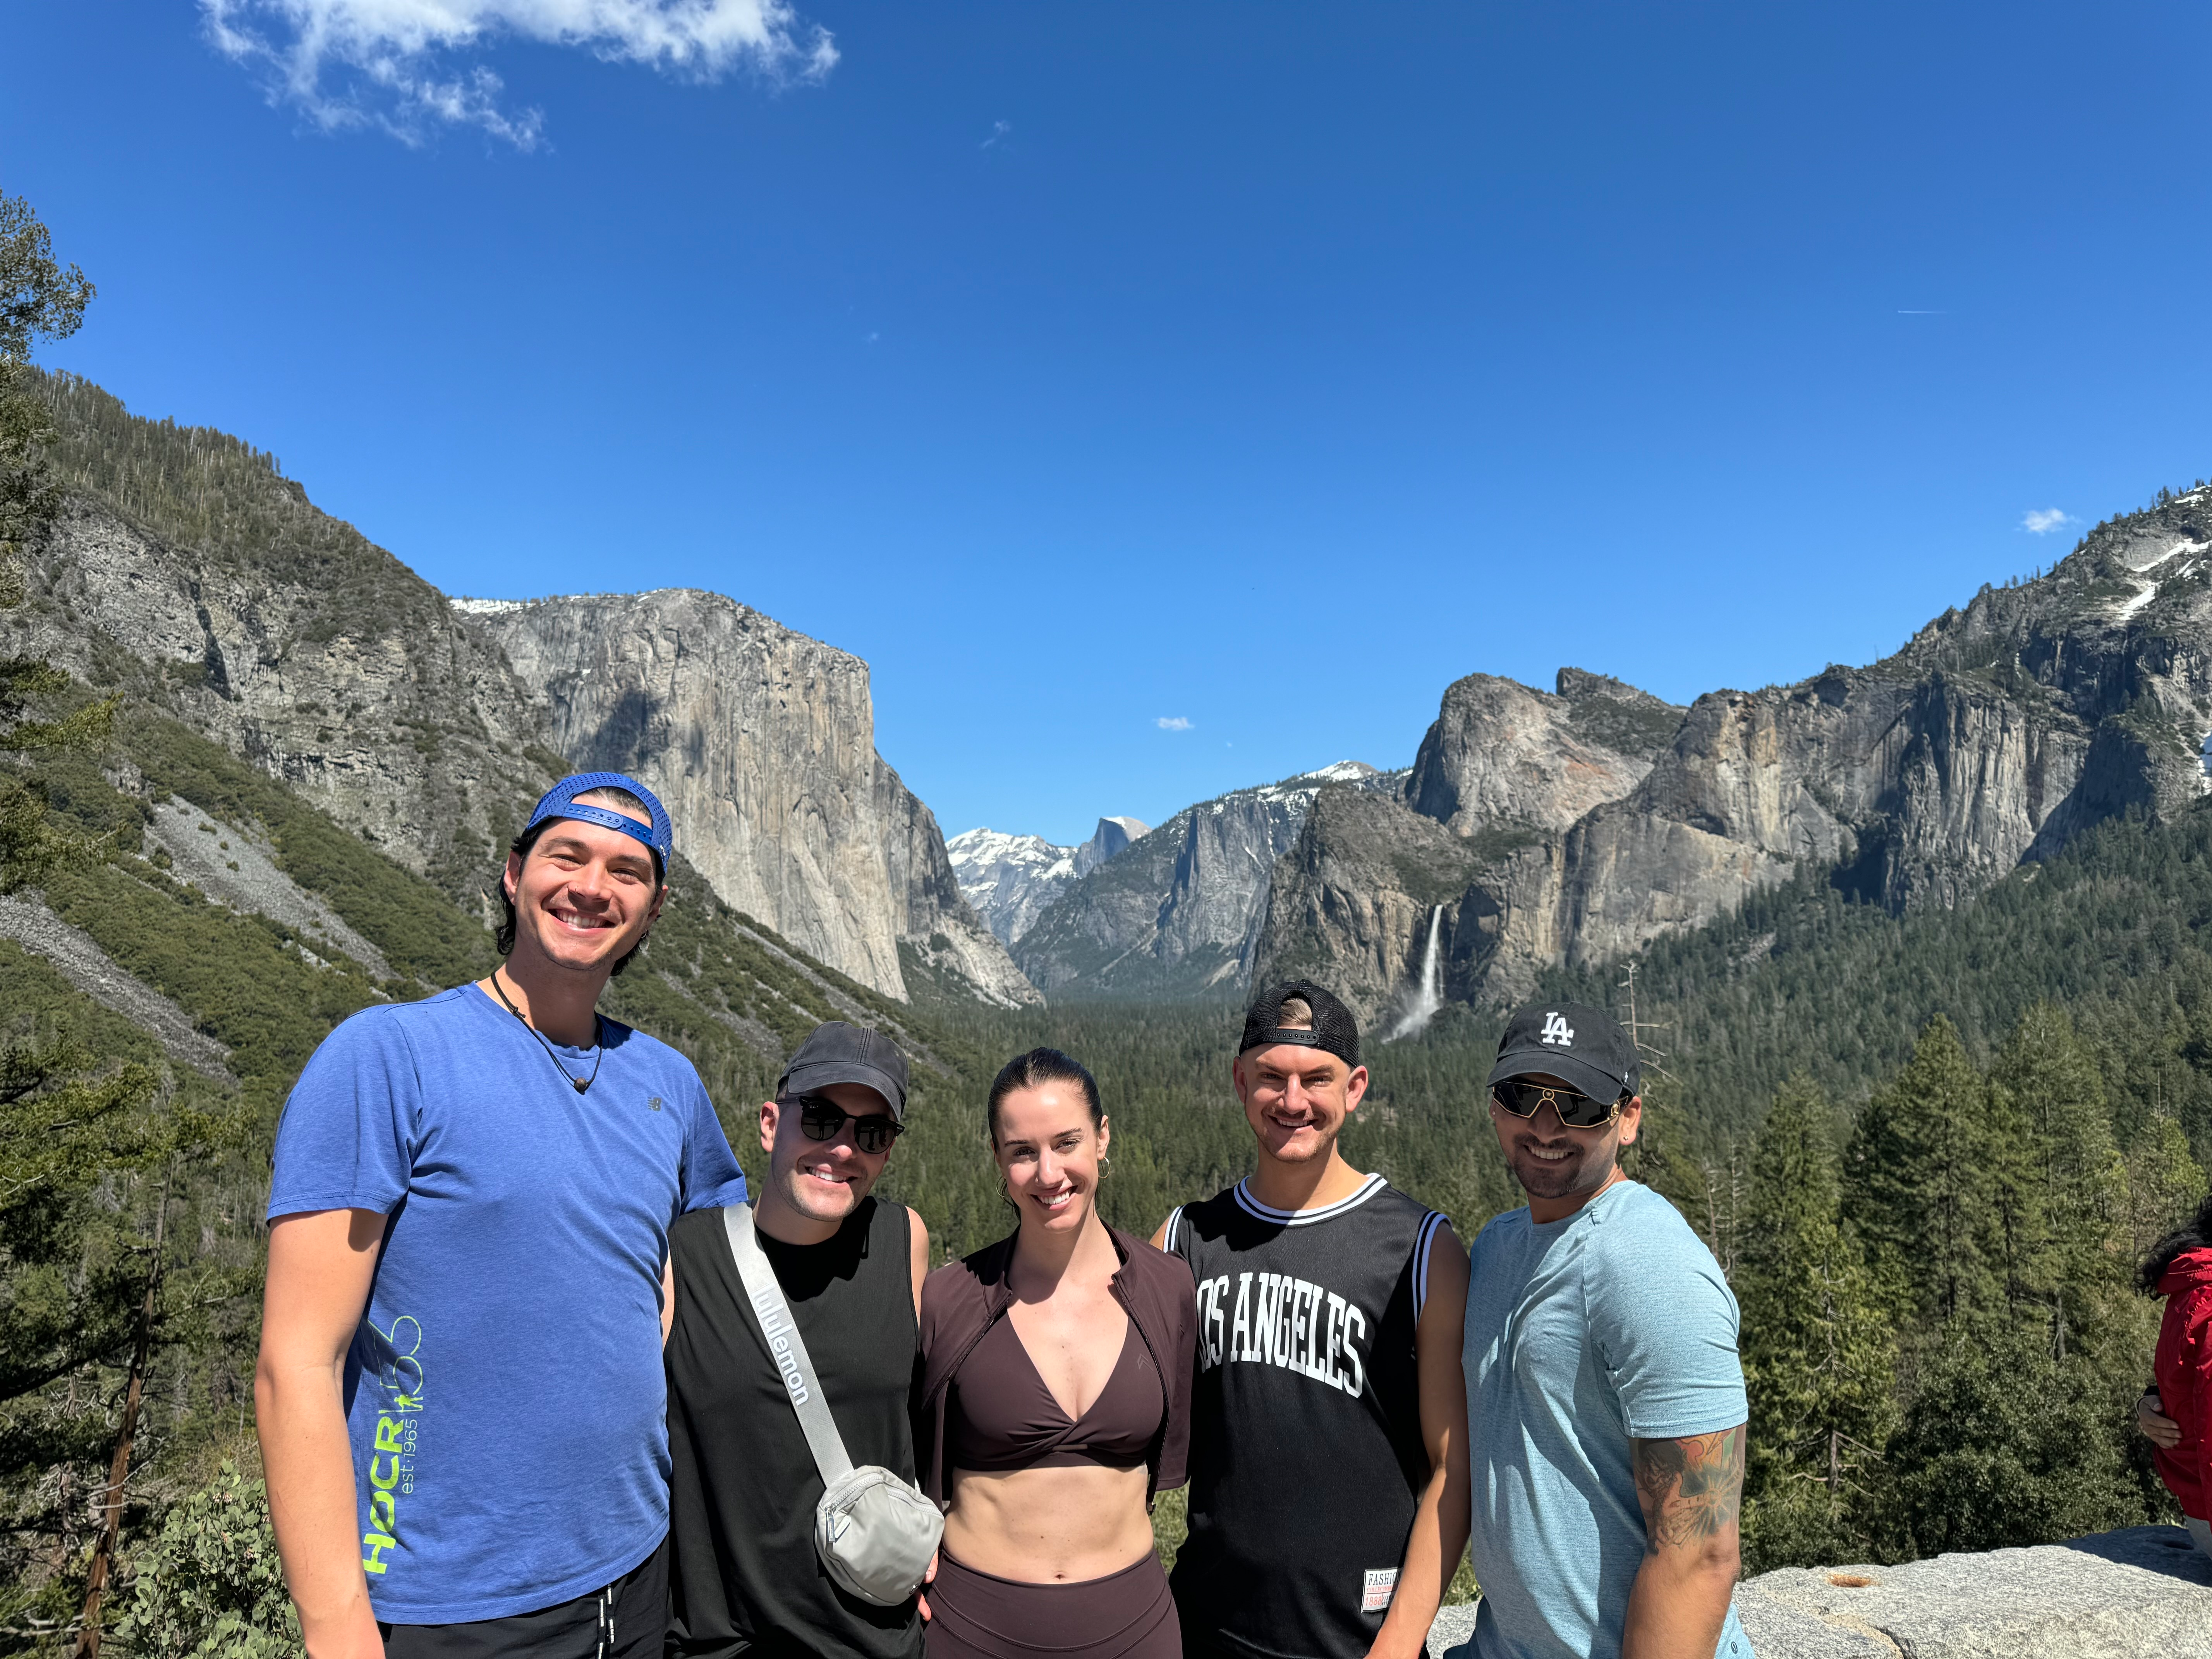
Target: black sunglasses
(1576,1110)
(821,1117)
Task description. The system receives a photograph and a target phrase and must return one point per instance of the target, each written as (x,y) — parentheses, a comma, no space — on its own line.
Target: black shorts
(627,1619)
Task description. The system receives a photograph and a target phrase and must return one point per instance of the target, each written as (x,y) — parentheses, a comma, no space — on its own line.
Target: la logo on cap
(1557,1032)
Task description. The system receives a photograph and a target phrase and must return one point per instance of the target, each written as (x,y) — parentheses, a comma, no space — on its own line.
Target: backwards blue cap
(560,802)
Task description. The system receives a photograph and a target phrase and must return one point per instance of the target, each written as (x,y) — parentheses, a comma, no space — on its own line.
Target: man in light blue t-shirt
(1605,1400)
(460,1395)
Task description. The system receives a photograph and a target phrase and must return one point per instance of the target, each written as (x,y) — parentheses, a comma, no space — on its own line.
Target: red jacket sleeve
(2195,1413)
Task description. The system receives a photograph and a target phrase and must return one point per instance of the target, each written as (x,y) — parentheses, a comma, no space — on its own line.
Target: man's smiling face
(1556,1166)
(1297,1098)
(823,1180)
(584,896)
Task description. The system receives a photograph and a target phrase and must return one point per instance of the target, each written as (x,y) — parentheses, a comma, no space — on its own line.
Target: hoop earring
(1105,1164)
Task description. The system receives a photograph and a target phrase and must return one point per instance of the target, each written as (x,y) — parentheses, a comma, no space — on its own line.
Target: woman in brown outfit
(1055,1400)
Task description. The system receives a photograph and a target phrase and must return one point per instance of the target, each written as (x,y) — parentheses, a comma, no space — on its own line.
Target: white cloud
(2044,519)
(388,63)
(1172,723)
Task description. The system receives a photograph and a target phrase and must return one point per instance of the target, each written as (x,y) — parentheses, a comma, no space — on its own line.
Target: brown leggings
(1125,1615)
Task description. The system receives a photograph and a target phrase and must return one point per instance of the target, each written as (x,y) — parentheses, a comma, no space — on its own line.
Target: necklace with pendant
(580,1084)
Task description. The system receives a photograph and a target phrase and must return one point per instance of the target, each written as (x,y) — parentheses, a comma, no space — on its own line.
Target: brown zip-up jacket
(962,1300)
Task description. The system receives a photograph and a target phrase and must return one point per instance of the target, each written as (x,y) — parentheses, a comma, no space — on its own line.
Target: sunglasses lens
(1575,1111)
(822,1119)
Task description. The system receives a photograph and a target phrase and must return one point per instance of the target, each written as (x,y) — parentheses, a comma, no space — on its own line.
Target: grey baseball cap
(838,1052)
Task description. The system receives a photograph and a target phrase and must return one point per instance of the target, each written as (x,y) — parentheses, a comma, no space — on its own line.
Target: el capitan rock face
(762,743)
(1994,735)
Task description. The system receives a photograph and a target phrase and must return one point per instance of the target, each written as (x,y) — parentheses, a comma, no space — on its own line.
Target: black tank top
(1306,1457)
(743,1578)
(1003,1417)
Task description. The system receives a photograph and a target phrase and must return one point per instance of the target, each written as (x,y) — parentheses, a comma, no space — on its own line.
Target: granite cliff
(1999,731)
(188,573)
(284,635)
(762,743)
(1010,879)
(1178,912)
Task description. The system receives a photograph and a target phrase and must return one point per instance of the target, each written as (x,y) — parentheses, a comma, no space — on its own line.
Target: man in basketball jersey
(1328,1502)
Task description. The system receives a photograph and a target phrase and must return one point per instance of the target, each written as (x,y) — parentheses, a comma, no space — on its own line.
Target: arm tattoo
(1690,1489)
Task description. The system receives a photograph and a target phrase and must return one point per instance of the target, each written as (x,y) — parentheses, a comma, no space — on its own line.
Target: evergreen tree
(85,1143)
(1818,1350)
(2003,1445)
(38,299)
(2165,1184)
(1684,1162)
(1920,1185)
(2066,1185)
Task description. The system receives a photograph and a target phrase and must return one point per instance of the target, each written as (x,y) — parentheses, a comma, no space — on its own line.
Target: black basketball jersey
(1306,1456)
(744,1579)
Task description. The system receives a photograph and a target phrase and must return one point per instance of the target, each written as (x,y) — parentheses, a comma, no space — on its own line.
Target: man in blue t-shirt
(1605,1400)
(460,1393)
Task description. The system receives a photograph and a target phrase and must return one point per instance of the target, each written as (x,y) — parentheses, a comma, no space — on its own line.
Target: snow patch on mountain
(1009,879)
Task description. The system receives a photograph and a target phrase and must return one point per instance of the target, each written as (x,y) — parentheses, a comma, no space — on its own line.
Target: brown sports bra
(1002,1416)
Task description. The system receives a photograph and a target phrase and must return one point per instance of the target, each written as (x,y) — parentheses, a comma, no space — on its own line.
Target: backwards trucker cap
(560,802)
(838,1052)
(1333,1030)
(1580,1045)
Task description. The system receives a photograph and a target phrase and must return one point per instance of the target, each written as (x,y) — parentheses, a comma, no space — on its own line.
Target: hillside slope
(189,574)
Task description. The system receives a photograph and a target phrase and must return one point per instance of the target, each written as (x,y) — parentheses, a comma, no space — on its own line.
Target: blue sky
(1263,368)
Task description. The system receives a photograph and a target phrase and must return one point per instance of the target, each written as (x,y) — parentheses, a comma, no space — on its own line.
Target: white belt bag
(874,1533)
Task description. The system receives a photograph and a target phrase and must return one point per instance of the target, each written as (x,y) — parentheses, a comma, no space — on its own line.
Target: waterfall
(1429,995)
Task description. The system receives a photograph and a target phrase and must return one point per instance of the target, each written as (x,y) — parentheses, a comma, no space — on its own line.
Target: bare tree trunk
(103,1554)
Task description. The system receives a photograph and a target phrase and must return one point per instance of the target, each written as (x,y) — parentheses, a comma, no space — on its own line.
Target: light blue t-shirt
(505,1391)
(1612,1325)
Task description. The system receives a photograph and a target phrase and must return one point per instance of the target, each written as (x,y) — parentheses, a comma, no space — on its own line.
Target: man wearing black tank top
(1329,1498)
(744,1576)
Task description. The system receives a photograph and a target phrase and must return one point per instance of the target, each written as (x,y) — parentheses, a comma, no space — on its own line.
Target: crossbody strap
(786,1346)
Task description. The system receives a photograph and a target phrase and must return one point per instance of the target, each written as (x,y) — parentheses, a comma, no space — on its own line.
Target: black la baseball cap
(1335,1031)
(838,1052)
(1580,1045)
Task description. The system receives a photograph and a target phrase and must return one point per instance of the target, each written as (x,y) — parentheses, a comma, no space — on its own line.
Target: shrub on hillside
(2004,1446)
(209,1584)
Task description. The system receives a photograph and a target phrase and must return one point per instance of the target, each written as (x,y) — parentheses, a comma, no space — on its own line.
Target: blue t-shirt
(504,1392)
(1614,1324)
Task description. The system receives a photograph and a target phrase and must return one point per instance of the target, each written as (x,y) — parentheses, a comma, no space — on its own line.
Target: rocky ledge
(2144,1593)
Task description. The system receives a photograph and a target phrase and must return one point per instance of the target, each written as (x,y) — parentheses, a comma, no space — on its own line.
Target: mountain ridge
(1010,878)
(188,575)
(2000,731)
(1176,911)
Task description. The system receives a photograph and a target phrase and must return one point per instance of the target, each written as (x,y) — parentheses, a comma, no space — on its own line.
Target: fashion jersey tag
(1382,1582)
